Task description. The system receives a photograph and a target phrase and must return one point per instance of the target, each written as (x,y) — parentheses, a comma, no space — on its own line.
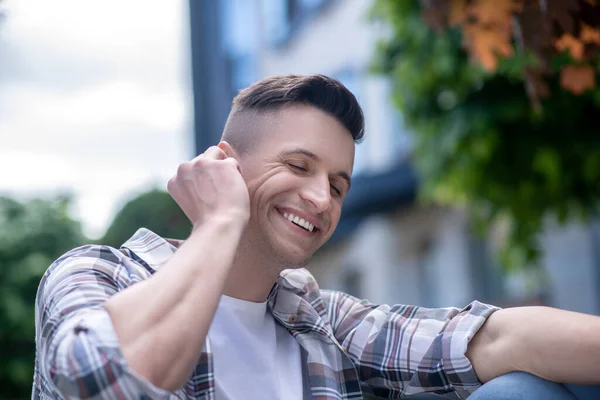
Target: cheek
(269,186)
(335,216)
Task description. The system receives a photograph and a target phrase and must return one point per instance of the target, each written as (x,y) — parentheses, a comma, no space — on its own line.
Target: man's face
(298,176)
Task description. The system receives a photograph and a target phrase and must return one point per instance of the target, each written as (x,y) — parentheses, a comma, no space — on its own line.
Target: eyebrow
(316,158)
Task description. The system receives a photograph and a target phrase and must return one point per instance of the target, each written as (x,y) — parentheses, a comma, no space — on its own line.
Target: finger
(171,185)
(234,162)
(215,153)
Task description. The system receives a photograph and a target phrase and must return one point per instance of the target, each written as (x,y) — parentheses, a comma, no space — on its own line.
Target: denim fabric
(523,386)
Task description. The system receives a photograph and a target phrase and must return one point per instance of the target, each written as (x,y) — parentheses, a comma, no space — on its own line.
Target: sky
(95,100)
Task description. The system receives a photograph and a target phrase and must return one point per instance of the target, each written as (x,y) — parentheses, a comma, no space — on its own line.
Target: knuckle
(170,183)
(182,168)
(221,153)
(200,160)
(231,161)
(172,187)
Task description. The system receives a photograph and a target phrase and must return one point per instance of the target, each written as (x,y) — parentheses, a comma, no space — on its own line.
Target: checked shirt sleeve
(401,350)
(77,350)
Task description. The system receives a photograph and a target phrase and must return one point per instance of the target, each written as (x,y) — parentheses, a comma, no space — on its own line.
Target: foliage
(480,143)
(542,29)
(155,210)
(32,235)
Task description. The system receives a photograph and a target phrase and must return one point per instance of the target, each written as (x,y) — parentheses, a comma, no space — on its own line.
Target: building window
(240,42)
(401,140)
(353,79)
(243,72)
(282,17)
(311,4)
(276,18)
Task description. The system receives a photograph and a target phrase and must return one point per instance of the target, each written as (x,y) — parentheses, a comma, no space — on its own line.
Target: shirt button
(292,318)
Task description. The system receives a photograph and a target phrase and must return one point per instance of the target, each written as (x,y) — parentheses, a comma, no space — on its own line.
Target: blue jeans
(523,386)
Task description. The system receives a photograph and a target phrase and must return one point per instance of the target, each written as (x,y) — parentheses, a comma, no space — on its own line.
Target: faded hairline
(244,127)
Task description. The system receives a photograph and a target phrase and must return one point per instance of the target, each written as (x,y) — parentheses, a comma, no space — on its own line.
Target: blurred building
(387,248)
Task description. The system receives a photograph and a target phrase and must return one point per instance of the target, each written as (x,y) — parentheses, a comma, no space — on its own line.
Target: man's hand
(210,185)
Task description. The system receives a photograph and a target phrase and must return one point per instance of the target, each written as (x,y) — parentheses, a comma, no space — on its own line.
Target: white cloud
(94,99)
(24,171)
(99,188)
(115,102)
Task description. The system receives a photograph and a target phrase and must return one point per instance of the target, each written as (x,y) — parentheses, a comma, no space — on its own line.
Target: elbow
(142,363)
(79,367)
(68,367)
(493,351)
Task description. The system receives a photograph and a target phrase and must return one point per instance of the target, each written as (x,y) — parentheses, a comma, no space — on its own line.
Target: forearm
(554,344)
(162,323)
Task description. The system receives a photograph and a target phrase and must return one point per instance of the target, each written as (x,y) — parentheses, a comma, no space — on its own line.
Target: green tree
(155,210)
(480,142)
(32,235)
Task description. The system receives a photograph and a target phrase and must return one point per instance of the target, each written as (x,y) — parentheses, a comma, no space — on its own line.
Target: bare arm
(162,323)
(557,345)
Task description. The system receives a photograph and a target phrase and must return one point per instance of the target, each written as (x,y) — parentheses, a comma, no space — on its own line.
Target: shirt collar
(295,297)
(156,251)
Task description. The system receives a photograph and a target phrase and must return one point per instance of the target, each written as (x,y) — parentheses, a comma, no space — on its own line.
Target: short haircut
(270,94)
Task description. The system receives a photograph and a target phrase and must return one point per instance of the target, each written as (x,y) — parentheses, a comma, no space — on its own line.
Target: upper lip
(307,217)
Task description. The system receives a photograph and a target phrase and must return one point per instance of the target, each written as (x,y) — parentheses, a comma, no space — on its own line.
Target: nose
(317,193)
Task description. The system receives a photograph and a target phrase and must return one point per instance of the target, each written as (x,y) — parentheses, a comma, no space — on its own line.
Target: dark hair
(326,94)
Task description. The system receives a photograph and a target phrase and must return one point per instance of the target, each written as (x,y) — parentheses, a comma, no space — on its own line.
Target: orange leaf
(486,44)
(494,12)
(458,12)
(577,78)
(568,42)
(589,34)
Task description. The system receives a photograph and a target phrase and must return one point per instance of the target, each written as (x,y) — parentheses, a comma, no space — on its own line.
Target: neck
(252,274)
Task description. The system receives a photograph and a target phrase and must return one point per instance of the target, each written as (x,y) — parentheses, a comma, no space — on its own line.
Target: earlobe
(227,149)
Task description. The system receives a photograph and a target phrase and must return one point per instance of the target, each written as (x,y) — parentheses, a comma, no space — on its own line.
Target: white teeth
(299,221)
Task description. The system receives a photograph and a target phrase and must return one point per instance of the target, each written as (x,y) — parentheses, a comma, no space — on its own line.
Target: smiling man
(231,314)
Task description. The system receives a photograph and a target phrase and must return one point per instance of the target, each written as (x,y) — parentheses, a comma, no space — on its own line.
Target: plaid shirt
(350,347)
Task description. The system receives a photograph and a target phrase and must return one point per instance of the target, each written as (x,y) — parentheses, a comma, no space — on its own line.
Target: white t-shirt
(254,357)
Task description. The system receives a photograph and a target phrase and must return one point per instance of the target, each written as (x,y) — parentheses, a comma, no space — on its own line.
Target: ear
(227,149)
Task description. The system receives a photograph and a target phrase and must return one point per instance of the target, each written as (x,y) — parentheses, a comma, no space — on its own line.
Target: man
(229,313)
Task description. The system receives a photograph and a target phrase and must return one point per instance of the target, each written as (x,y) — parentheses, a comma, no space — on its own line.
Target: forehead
(303,126)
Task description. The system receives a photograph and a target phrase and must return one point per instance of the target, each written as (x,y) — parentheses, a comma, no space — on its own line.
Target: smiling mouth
(300,222)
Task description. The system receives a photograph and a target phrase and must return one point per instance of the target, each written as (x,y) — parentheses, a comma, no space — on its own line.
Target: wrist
(231,221)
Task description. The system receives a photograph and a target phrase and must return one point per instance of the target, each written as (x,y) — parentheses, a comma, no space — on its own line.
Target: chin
(294,261)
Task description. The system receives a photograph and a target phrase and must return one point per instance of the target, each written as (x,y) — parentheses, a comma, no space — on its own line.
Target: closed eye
(336,190)
(297,167)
